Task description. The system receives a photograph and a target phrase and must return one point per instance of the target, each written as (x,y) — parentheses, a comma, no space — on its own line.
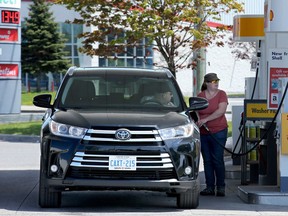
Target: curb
(19,138)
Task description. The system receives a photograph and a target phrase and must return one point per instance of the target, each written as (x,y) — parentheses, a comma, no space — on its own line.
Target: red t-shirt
(219,123)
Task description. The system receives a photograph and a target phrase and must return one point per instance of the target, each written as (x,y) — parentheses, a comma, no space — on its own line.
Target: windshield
(119,92)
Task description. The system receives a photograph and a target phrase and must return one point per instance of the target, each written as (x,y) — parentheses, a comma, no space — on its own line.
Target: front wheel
(190,198)
(46,197)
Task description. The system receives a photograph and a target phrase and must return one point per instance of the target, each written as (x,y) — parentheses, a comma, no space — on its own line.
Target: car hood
(89,119)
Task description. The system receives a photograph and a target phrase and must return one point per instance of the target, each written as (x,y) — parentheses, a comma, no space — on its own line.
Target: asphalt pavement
(19,175)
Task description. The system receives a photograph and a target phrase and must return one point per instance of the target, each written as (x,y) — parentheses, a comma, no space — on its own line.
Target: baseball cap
(210,77)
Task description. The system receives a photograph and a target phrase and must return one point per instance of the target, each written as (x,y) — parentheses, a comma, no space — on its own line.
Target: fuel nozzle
(206,128)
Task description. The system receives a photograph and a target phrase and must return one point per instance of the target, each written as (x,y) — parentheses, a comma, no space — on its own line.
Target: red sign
(9,16)
(9,70)
(8,34)
(275,74)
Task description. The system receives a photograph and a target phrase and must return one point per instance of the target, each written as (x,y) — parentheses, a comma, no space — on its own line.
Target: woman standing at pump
(214,118)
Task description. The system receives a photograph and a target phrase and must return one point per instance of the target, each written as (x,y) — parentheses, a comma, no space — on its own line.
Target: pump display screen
(8,16)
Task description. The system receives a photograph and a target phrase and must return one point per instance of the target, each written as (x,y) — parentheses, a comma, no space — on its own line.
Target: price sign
(9,16)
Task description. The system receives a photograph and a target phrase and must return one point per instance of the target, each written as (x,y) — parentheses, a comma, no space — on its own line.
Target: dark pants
(213,157)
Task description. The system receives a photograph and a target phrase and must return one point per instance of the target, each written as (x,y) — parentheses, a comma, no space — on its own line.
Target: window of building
(72,43)
(136,56)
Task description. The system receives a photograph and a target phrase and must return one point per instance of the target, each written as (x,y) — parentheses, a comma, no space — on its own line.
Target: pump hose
(258,142)
(252,96)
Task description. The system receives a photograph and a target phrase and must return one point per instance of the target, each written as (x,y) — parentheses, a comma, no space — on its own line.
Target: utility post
(199,57)
(201,69)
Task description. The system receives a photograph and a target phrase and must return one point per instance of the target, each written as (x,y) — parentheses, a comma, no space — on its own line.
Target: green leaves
(174,27)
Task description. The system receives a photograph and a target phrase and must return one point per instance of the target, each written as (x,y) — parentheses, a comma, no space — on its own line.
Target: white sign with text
(278,68)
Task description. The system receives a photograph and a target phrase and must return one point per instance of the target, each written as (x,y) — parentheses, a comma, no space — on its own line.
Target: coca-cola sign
(9,70)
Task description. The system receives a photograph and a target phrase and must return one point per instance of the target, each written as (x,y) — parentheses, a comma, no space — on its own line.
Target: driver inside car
(162,96)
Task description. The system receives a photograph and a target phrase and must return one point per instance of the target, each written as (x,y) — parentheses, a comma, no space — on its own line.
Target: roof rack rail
(71,70)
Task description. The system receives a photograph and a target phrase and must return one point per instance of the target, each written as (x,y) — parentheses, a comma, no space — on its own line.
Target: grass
(27,98)
(236,95)
(229,129)
(24,128)
(21,128)
(33,128)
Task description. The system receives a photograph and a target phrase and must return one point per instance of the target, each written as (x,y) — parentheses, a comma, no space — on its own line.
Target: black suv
(105,130)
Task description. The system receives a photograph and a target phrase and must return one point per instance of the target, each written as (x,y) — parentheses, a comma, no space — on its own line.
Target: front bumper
(79,169)
(171,186)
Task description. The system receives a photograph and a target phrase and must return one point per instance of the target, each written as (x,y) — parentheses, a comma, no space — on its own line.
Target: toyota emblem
(122,134)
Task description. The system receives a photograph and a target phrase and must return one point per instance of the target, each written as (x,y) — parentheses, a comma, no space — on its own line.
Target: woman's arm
(222,107)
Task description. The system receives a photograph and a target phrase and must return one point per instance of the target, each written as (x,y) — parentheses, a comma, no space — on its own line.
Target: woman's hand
(201,122)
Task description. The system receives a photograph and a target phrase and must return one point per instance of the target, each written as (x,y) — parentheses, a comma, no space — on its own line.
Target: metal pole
(201,68)
(200,58)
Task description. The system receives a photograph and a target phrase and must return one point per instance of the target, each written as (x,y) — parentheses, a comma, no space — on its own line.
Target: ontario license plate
(122,162)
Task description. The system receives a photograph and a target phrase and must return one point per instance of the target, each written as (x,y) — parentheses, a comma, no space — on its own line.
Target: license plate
(122,162)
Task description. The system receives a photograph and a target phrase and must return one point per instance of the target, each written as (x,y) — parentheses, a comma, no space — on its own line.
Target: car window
(125,92)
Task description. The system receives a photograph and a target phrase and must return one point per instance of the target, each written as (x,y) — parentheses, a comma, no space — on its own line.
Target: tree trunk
(172,67)
(38,83)
(173,71)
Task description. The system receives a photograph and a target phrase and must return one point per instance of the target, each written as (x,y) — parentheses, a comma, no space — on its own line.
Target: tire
(190,198)
(46,197)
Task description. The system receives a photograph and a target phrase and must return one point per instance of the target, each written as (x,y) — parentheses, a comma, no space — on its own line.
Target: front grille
(82,159)
(94,164)
(135,175)
(137,136)
(148,166)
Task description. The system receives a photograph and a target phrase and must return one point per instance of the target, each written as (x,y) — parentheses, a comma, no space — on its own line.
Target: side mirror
(43,100)
(197,103)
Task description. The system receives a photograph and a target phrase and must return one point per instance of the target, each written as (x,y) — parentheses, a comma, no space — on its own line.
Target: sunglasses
(170,93)
(214,81)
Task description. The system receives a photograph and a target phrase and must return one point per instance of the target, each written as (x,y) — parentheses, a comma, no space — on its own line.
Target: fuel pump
(276,48)
(273,79)
(272,31)
(282,136)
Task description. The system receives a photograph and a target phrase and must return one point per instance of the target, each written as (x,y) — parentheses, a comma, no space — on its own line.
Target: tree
(242,50)
(175,28)
(42,48)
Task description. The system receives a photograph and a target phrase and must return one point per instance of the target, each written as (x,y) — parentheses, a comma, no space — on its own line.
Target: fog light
(54,168)
(188,170)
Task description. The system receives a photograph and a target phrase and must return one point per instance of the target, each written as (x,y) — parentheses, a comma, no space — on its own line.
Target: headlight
(182,131)
(66,130)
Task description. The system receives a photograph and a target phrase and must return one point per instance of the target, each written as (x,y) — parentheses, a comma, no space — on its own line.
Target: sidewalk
(27,108)
(28,113)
